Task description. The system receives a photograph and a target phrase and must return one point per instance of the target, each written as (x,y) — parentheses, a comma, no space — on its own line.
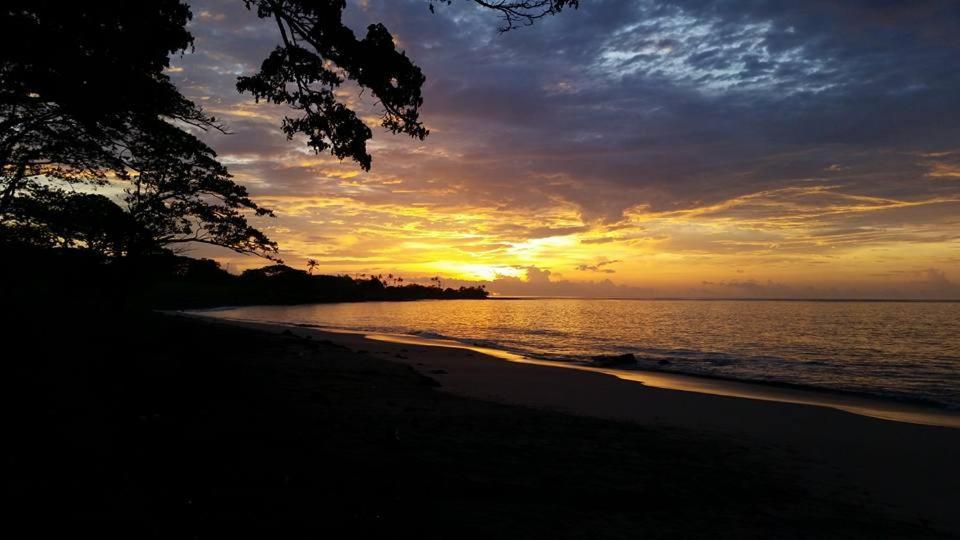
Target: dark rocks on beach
(664,363)
(614,359)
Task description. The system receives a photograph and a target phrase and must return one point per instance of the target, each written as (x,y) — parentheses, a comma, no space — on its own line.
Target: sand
(908,469)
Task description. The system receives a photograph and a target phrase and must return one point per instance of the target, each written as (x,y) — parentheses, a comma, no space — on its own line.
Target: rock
(664,363)
(438,371)
(614,359)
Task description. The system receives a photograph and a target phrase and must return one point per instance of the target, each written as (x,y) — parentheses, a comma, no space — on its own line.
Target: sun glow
(478,272)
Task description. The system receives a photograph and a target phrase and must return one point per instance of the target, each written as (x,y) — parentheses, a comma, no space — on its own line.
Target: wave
(764,370)
(820,368)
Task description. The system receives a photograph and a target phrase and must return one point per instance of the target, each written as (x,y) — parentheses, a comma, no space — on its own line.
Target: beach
(518,269)
(895,352)
(147,425)
(907,468)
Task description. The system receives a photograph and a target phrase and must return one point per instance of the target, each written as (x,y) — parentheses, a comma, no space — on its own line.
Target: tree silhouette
(84,102)
(519,12)
(57,218)
(180,193)
(93,106)
(60,104)
(319,53)
(311,265)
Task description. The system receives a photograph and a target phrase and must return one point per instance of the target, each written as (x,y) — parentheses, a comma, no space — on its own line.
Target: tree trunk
(6,199)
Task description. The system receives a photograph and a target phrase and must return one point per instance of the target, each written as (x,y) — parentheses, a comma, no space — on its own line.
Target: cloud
(682,138)
(538,282)
(598,267)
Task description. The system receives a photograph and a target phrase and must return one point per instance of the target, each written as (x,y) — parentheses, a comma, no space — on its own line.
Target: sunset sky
(629,148)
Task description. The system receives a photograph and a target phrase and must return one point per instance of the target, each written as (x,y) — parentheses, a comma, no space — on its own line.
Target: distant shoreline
(743,299)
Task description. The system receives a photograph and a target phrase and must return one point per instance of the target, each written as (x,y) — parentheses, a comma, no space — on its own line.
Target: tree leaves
(84,101)
(319,53)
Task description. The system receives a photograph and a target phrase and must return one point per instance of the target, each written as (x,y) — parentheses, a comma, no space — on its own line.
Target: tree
(56,218)
(181,194)
(318,53)
(84,100)
(61,107)
(311,266)
(519,12)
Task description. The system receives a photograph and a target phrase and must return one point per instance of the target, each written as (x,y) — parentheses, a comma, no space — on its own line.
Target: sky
(675,148)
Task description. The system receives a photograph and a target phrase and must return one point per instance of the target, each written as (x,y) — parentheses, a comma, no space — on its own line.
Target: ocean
(905,351)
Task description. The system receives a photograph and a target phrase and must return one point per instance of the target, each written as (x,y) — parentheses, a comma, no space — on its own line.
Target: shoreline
(908,468)
(179,426)
(889,409)
(872,407)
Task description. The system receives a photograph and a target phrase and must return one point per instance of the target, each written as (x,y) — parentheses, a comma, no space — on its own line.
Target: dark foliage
(318,53)
(84,102)
(181,193)
(59,219)
(62,110)
(161,279)
(201,283)
(516,13)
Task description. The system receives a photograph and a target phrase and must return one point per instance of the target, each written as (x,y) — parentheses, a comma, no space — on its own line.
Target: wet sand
(910,469)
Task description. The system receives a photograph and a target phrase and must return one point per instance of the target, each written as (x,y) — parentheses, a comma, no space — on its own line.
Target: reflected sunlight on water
(903,350)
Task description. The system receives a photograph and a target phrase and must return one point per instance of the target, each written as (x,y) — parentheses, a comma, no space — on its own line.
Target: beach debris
(614,359)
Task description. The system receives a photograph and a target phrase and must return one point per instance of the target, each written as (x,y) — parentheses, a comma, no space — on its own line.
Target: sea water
(907,351)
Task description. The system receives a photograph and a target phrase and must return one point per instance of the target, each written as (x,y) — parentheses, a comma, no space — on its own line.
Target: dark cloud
(814,126)
(671,104)
(598,267)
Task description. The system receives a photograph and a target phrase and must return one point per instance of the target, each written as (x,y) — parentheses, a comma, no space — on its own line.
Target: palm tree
(311,264)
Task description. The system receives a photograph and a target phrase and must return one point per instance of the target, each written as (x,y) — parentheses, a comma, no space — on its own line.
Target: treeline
(202,283)
(164,280)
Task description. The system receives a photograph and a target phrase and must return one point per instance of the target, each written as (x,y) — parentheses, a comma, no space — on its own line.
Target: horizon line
(495,296)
